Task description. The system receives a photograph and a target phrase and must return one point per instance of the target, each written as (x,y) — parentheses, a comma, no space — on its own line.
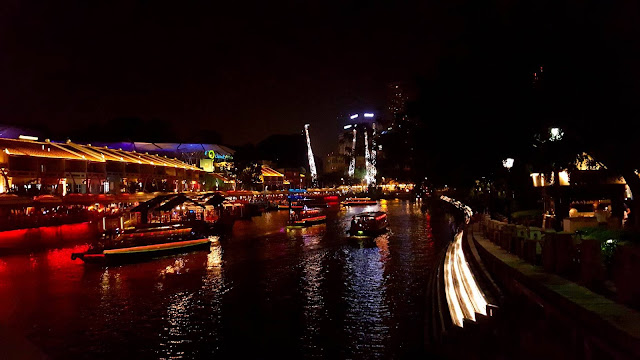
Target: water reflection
(302,293)
(179,324)
(367,310)
(174,268)
(311,282)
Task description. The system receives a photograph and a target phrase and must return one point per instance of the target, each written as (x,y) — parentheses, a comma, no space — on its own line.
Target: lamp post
(508,164)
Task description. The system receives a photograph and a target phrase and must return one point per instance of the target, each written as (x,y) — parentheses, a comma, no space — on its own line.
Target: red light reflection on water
(58,258)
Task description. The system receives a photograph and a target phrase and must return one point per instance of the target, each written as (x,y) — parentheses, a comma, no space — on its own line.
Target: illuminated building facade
(209,157)
(271,179)
(355,158)
(572,197)
(43,167)
(296,178)
(397,98)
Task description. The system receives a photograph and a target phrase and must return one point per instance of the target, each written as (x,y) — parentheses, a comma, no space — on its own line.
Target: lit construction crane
(312,162)
(352,163)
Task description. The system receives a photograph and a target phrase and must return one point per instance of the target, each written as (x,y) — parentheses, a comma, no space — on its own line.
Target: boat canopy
(371,215)
(177,201)
(152,203)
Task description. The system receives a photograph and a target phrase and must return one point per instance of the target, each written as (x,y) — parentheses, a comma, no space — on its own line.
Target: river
(263,292)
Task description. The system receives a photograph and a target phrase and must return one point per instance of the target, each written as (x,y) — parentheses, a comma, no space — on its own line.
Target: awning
(176,201)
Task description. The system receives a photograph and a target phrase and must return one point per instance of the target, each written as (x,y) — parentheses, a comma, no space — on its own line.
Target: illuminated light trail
(464,296)
(452,300)
(312,162)
(352,164)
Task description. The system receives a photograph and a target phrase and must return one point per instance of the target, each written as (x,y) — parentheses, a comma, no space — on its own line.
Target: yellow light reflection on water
(214,258)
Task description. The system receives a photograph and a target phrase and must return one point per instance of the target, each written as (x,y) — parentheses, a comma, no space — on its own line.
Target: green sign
(213,156)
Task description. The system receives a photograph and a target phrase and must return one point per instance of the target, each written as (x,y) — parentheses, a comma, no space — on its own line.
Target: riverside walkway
(596,327)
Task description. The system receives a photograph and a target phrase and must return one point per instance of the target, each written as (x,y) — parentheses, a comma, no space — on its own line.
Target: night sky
(248,70)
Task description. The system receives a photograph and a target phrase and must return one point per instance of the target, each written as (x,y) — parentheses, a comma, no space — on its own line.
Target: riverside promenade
(592,325)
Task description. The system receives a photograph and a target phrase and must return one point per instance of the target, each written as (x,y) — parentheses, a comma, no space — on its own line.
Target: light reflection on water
(311,282)
(367,310)
(301,293)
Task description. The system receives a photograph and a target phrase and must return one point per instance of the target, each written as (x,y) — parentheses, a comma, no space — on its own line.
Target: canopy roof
(267,171)
(72,151)
(169,147)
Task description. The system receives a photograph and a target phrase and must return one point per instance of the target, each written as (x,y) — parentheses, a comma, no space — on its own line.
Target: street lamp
(507,163)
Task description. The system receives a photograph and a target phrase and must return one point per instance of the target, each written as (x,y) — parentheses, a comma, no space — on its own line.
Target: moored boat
(143,243)
(358,201)
(369,224)
(305,218)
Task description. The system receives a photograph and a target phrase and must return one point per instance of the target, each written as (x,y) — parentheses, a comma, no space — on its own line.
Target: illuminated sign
(213,156)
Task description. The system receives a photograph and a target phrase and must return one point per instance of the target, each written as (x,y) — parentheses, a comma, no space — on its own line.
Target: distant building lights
(368,115)
(353,116)
(347,126)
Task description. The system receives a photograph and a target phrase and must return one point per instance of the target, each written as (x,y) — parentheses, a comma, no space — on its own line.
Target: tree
(247,168)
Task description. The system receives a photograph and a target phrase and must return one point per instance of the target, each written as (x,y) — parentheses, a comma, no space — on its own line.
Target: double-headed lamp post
(508,164)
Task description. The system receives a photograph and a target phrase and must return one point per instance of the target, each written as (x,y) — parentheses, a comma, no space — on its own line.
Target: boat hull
(307,222)
(358,203)
(367,233)
(286,207)
(141,253)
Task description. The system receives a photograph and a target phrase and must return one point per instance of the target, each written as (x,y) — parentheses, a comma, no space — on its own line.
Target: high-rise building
(397,98)
(355,157)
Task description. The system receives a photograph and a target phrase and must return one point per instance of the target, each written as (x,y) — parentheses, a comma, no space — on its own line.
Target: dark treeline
(511,71)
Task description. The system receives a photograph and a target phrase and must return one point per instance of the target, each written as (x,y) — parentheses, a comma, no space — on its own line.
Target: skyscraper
(396,103)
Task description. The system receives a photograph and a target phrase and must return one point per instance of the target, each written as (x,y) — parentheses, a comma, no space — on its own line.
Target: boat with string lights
(304,218)
(369,224)
(358,201)
(294,206)
(132,245)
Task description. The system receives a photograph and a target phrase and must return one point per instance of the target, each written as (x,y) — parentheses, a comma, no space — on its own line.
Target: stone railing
(572,256)
(557,252)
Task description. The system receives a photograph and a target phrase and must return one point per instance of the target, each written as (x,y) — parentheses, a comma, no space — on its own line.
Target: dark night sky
(251,70)
(246,71)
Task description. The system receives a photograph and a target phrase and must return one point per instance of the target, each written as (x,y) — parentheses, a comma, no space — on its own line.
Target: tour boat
(369,223)
(306,218)
(138,244)
(358,201)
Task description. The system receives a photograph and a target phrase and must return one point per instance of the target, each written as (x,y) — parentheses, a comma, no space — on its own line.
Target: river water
(263,292)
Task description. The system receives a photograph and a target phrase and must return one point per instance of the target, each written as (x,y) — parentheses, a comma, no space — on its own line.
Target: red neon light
(44,235)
